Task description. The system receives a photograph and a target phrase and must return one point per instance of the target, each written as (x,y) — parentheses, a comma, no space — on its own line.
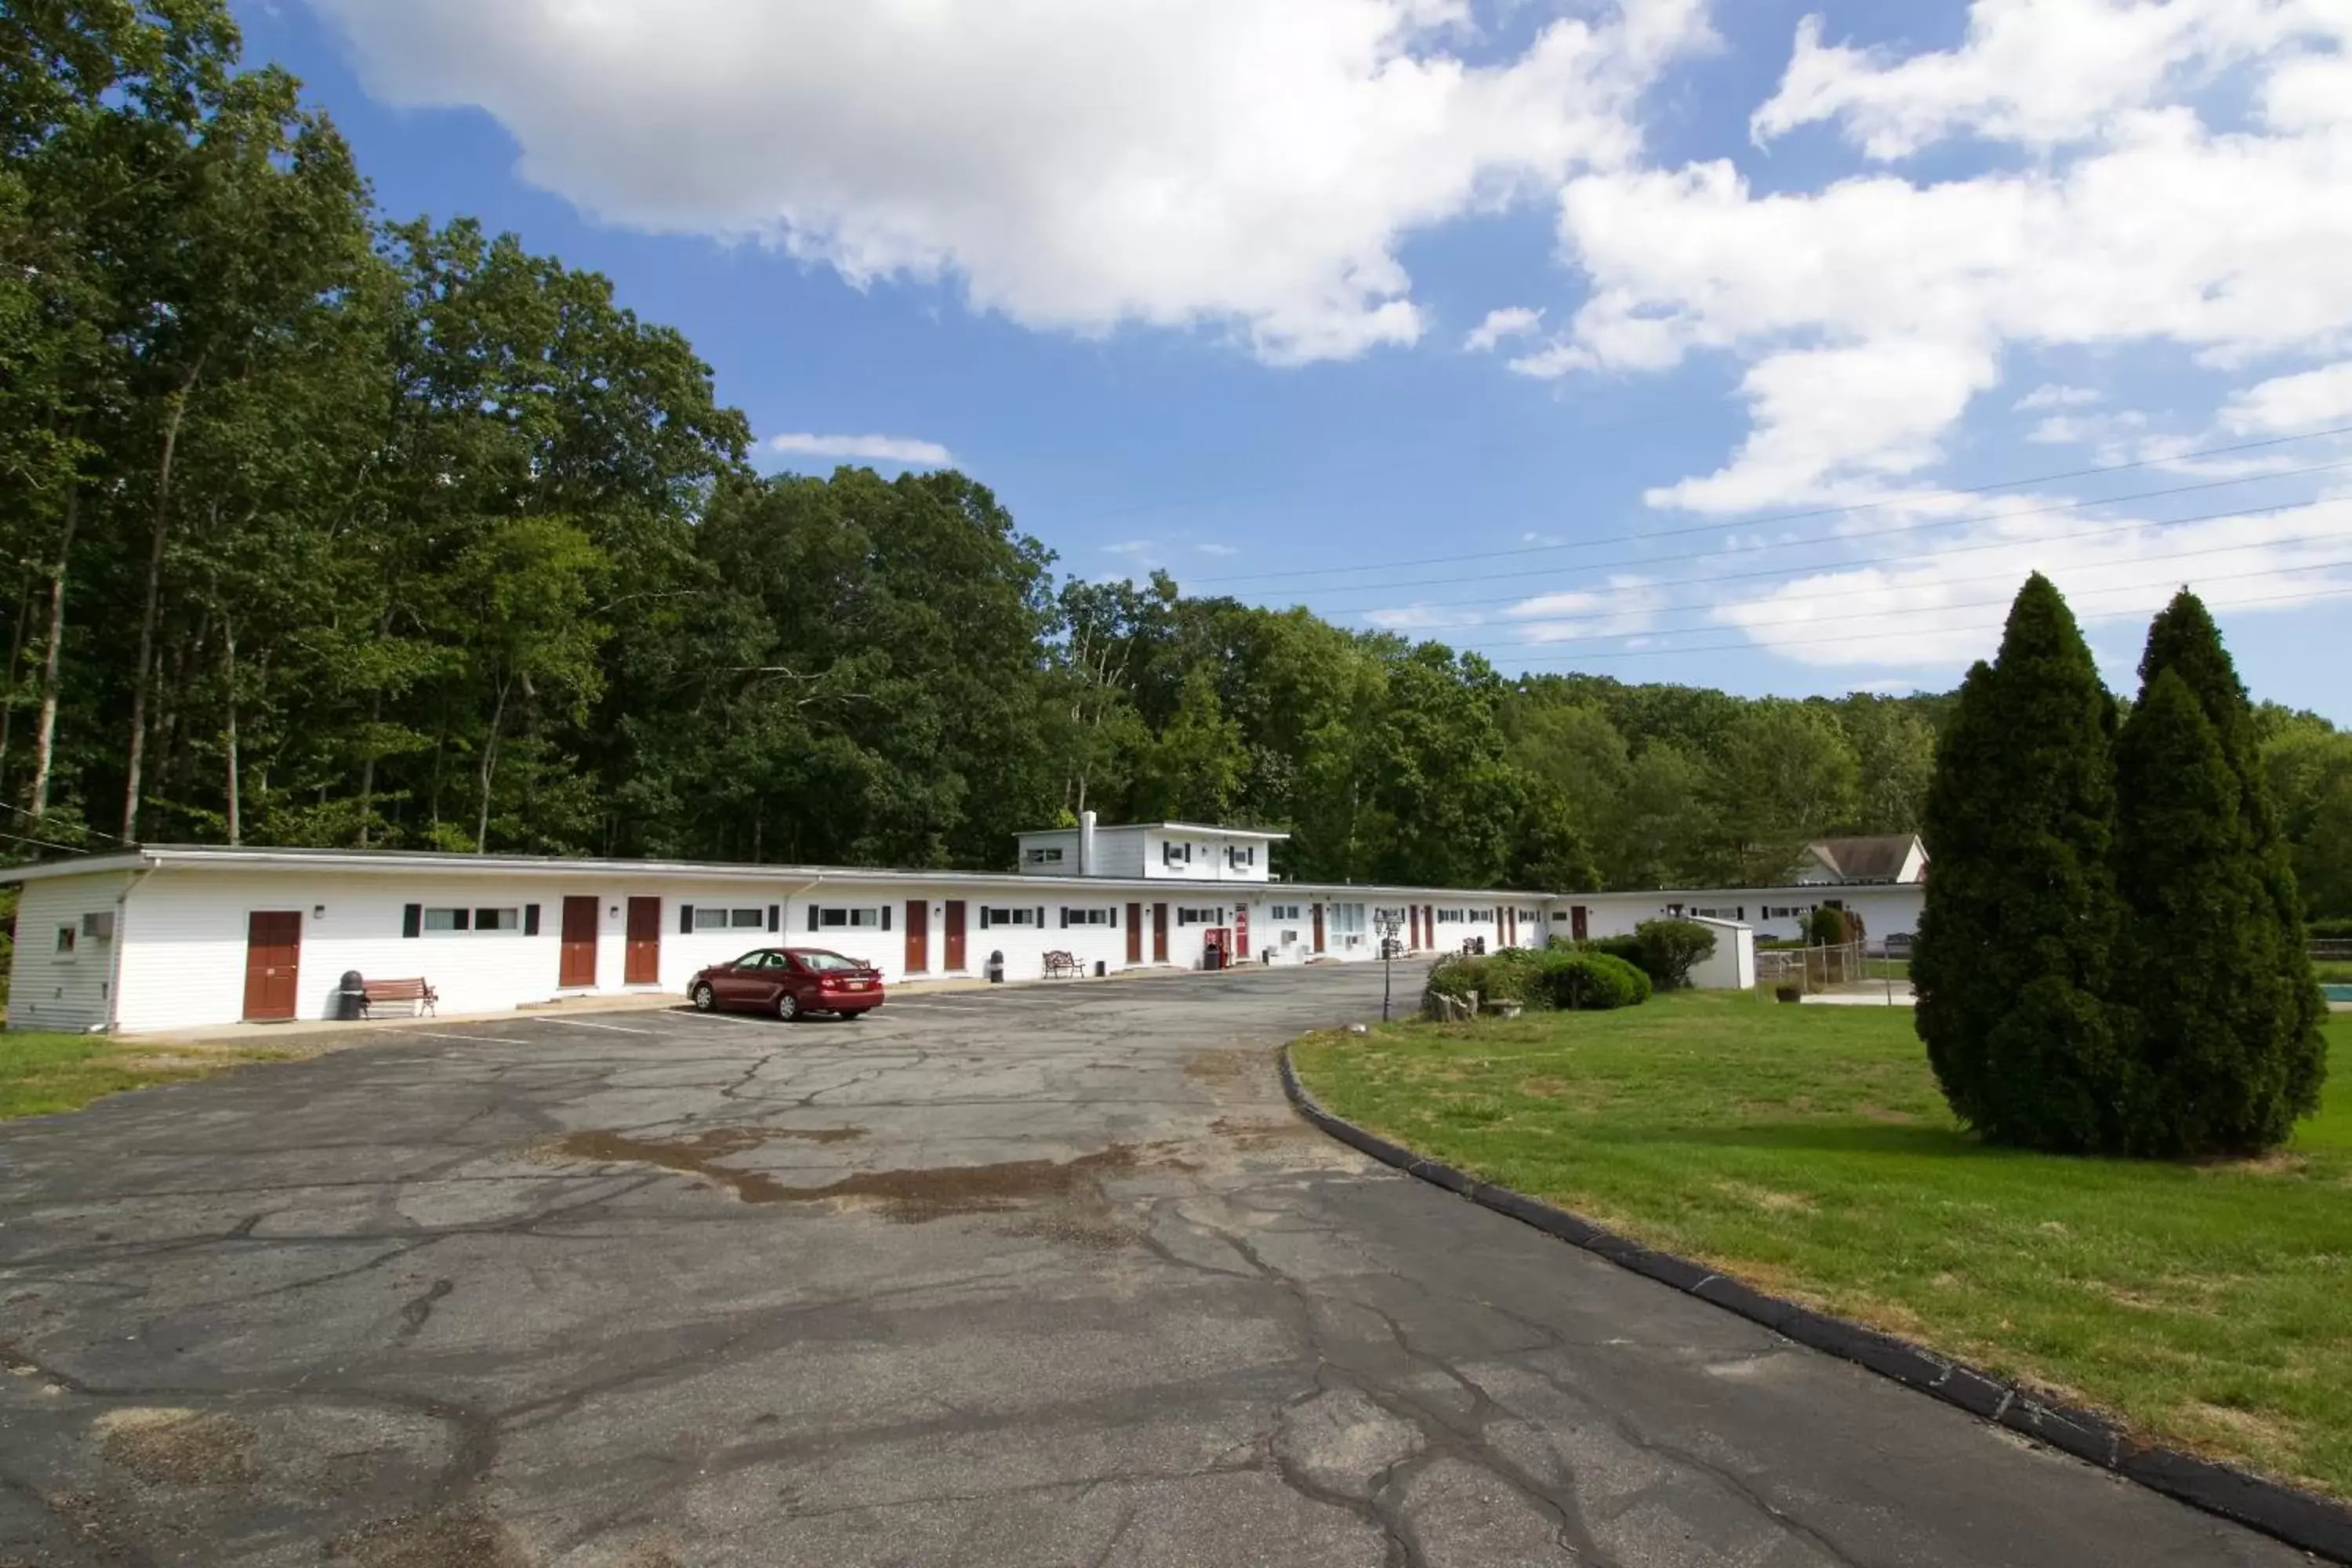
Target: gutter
(121,945)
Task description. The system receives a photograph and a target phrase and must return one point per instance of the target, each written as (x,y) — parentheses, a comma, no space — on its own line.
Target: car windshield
(761,958)
(825,963)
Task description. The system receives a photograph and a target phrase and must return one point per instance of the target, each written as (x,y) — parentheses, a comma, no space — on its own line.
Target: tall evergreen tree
(2282,1007)
(2202,996)
(2016,943)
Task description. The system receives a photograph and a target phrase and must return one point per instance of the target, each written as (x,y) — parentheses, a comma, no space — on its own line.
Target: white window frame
(992,918)
(1107,915)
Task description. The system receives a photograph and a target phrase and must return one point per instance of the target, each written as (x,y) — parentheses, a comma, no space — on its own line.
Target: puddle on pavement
(910,1197)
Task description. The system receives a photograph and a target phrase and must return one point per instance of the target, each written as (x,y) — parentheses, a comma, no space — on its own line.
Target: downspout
(121,945)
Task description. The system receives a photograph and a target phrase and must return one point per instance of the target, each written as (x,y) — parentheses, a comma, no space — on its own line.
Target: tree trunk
(15,657)
(45,729)
(145,668)
(367,765)
(228,646)
(490,767)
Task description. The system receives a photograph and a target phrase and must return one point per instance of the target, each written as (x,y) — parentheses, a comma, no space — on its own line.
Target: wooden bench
(1063,966)
(417,993)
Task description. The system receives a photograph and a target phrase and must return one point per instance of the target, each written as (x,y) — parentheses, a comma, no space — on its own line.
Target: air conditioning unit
(98,927)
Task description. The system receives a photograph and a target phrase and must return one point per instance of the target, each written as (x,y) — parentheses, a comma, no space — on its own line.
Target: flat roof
(1104,827)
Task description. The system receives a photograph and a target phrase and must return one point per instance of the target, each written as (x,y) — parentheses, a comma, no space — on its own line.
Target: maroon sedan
(789,981)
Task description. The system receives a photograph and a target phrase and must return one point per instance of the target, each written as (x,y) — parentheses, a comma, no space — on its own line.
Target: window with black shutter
(412,921)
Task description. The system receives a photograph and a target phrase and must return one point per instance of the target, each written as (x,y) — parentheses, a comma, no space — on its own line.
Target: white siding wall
(67,992)
(1120,853)
(1885,909)
(1067,842)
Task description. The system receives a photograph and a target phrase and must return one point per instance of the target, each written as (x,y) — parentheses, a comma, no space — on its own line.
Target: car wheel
(705,1000)
(788,1006)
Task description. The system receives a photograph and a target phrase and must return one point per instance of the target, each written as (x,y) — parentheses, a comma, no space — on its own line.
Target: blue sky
(1199,284)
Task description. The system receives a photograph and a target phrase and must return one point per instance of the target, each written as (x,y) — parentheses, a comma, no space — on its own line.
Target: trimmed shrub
(1595,983)
(1670,949)
(2331,930)
(1828,928)
(1628,948)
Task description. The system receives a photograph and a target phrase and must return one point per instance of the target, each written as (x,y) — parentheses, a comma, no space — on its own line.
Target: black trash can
(350,997)
(996,967)
(1101,968)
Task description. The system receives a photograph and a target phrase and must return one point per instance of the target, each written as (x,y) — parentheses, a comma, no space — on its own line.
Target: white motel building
(164,937)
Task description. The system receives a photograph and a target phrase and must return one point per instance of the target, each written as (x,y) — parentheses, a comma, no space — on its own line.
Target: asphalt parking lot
(1046,1276)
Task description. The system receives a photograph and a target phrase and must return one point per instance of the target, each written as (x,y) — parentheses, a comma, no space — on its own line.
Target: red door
(955,936)
(1576,928)
(642,963)
(918,936)
(577,968)
(1241,933)
(1511,928)
(1159,933)
(1134,933)
(1318,928)
(273,964)
(1412,918)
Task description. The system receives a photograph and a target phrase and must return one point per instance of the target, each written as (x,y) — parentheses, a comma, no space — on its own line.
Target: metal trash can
(1101,968)
(350,997)
(996,967)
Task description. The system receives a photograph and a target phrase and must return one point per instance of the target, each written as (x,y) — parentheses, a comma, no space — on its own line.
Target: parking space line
(584,1024)
(468,1039)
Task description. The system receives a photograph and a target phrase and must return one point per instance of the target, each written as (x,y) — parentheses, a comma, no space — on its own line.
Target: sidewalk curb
(2301,1519)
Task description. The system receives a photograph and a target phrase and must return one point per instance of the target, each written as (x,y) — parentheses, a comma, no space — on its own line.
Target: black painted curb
(2301,1519)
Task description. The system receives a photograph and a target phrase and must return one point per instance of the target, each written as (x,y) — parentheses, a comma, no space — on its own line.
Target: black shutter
(813,917)
(412,921)
(983,917)
(530,919)
(686,920)
(776,917)
(464,918)
(1065,916)
(1041,916)
(886,916)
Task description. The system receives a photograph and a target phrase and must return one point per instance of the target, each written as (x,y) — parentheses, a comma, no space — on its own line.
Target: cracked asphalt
(1033,1276)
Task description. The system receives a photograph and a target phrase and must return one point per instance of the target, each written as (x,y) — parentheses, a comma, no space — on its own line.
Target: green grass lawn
(1806,1150)
(2334,971)
(41,1074)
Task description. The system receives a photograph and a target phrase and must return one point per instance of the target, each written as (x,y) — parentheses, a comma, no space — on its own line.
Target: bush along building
(164,937)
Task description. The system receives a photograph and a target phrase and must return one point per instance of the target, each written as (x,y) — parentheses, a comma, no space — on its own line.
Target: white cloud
(1945,609)
(2040,72)
(1076,164)
(1873,310)
(1510,321)
(1419,617)
(1135,547)
(2052,395)
(1218,549)
(2088,430)
(903,449)
(2311,400)
(1625,607)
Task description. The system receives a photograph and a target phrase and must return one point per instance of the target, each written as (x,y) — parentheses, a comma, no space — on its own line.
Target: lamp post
(1391,928)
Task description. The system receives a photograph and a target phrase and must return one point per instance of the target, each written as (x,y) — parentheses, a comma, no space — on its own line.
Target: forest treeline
(323,528)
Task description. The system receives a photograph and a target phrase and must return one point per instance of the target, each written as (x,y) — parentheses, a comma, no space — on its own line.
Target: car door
(764,976)
(793,975)
(737,984)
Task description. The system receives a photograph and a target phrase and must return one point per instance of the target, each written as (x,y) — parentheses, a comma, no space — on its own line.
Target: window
(1176,854)
(707,919)
(873,917)
(991,918)
(747,919)
(497,920)
(1284,912)
(1529,916)
(1089,917)
(449,920)
(1240,857)
(1203,917)
(1451,917)
(1347,919)
(1047,857)
(65,941)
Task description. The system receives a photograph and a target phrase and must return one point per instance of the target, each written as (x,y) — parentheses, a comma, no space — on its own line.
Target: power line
(1912,499)
(1761,546)
(1865,637)
(2135,526)
(1934,609)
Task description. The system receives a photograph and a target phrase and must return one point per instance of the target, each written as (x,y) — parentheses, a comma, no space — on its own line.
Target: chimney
(1085,844)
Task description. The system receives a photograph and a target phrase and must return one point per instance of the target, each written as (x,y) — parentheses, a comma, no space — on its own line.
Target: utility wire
(1937,609)
(1929,525)
(1912,499)
(1718,604)
(1866,637)
(2109,531)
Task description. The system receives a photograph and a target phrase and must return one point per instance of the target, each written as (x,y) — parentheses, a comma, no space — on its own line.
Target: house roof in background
(1877,858)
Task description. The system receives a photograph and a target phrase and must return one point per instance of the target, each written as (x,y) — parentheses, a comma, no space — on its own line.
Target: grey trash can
(996,967)
(350,997)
